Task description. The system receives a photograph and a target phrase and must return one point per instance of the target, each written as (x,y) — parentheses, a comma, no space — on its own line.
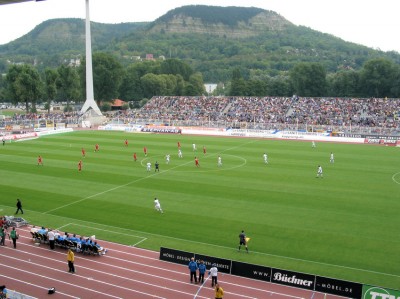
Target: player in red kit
(80,166)
(83,152)
(179,144)
(145,151)
(96,148)
(40,161)
(204,150)
(126,142)
(134,157)
(196,162)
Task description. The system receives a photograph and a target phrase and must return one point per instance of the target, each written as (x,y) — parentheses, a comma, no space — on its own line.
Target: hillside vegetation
(213,40)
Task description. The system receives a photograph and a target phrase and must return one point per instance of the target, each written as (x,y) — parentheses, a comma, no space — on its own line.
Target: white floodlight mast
(90,102)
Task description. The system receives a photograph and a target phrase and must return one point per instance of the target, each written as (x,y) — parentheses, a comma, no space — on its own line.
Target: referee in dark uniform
(19,207)
(242,241)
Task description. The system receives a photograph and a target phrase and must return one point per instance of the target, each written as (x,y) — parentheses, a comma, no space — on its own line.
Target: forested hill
(233,22)
(58,39)
(213,40)
(57,35)
(216,40)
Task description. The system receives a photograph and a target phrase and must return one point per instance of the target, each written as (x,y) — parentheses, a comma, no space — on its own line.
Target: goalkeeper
(243,241)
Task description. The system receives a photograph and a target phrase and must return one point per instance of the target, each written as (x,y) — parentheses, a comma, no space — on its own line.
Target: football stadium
(273,196)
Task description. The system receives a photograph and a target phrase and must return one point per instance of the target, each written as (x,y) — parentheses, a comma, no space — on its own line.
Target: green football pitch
(344,225)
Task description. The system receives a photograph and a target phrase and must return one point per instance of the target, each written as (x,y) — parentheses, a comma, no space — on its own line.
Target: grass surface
(345,225)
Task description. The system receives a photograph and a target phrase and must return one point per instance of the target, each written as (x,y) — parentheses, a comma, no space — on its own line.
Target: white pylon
(90,102)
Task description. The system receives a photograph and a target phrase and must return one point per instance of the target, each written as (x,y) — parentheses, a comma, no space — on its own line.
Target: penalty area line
(65,225)
(137,243)
(142,239)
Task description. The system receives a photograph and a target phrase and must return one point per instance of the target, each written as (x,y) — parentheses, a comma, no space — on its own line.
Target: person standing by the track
(219,292)
(14,236)
(202,271)
(193,269)
(71,260)
(214,275)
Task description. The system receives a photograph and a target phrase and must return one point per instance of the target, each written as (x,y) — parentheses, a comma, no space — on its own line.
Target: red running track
(124,272)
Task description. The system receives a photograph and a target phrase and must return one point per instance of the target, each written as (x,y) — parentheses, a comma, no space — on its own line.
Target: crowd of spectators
(56,116)
(82,244)
(377,114)
(29,120)
(274,111)
(370,112)
(184,108)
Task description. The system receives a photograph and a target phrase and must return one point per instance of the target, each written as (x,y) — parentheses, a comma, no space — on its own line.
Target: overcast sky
(371,23)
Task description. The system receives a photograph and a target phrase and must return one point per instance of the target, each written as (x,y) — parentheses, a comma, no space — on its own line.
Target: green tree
(395,90)
(131,88)
(238,84)
(180,85)
(256,88)
(344,84)
(11,77)
(24,85)
(280,86)
(68,84)
(152,85)
(3,66)
(107,76)
(377,77)
(2,88)
(170,84)
(176,67)
(106,106)
(50,79)
(308,79)
(196,81)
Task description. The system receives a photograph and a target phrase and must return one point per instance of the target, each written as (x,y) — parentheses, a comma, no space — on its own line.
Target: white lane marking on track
(50,278)
(254,252)
(34,285)
(167,269)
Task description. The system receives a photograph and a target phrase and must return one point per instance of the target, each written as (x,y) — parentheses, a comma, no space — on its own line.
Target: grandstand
(350,115)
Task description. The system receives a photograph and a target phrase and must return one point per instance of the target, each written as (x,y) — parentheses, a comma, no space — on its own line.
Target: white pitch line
(394,178)
(105,230)
(100,193)
(137,243)
(68,224)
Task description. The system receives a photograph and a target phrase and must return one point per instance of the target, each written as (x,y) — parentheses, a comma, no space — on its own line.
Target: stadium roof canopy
(2,2)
